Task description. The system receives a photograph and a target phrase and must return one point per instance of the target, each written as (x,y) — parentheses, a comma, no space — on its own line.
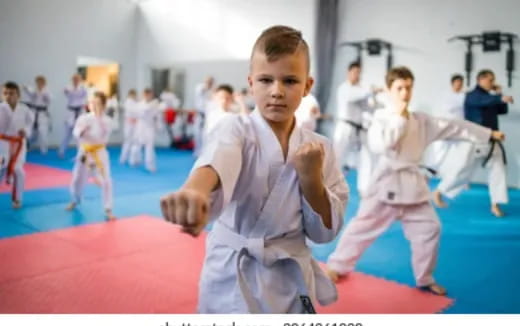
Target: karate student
(353,105)
(223,104)
(398,190)
(203,97)
(482,106)
(308,113)
(39,100)
(129,128)
(148,120)
(271,184)
(170,105)
(92,131)
(16,123)
(452,107)
(76,101)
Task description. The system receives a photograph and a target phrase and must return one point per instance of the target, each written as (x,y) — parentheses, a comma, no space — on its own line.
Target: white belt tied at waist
(267,252)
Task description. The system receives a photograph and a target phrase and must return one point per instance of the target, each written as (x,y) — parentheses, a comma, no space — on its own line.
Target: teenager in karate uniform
(40,100)
(76,100)
(398,190)
(353,111)
(16,123)
(271,184)
(482,106)
(93,131)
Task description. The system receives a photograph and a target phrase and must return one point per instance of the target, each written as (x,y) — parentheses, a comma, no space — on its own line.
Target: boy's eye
(291,81)
(265,80)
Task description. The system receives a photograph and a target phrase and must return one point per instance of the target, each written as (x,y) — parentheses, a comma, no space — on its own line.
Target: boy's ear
(250,83)
(308,86)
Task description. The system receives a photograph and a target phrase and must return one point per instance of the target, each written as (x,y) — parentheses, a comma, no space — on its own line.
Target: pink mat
(41,176)
(144,265)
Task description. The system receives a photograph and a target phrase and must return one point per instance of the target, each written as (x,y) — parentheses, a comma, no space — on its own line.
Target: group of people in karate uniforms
(242,177)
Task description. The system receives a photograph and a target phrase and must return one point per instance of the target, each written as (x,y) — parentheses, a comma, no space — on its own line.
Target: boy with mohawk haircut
(268,184)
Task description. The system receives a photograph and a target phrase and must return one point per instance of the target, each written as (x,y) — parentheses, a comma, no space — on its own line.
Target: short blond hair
(278,41)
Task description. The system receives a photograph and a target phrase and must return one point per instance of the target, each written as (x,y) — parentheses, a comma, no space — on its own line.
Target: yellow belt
(93,151)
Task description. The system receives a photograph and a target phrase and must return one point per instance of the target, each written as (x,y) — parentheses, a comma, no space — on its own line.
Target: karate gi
(129,128)
(13,148)
(202,101)
(353,115)
(92,133)
(483,108)
(40,102)
(256,257)
(306,114)
(148,120)
(76,101)
(399,191)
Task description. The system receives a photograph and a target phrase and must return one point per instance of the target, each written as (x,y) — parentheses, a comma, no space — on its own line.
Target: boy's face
(76,79)
(10,96)
(148,96)
(98,106)
(278,86)
(354,75)
(224,99)
(401,91)
(457,85)
(40,83)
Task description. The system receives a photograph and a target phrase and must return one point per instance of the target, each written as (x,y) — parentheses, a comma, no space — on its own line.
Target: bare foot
(17,204)
(437,199)
(70,207)
(495,210)
(109,216)
(434,289)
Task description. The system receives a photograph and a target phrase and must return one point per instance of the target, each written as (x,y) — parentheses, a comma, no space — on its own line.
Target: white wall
(47,37)
(206,31)
(419,29)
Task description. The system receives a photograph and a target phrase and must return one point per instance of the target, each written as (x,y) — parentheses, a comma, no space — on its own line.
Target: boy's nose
(277,90)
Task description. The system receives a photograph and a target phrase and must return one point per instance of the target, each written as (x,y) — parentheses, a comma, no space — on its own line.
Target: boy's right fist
(188,208)
(498,135)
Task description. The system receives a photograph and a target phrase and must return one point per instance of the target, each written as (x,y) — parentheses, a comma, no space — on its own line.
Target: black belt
(359,127)
(76,110)
(492,148)
(37,110)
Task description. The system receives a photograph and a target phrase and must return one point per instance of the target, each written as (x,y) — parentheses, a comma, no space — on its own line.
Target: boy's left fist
(308,160)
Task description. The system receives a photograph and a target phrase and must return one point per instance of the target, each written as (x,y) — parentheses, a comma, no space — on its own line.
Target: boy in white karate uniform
(76,100)
(398,190)
(271,184)
(129,127)
(40,101)
(148,121)
(93,131)
(16,122)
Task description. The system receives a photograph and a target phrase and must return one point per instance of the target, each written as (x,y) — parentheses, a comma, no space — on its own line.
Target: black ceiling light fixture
(491,42)
(373,47)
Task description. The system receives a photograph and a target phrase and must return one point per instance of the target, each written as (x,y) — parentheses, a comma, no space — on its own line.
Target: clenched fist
(188,208)
(498,135)
(308,160)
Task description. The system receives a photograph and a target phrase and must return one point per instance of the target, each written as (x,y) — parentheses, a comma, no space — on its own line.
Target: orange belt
(18,142)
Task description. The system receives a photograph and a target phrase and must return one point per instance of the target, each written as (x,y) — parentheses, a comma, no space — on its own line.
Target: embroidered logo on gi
(391,195)
(307,304)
